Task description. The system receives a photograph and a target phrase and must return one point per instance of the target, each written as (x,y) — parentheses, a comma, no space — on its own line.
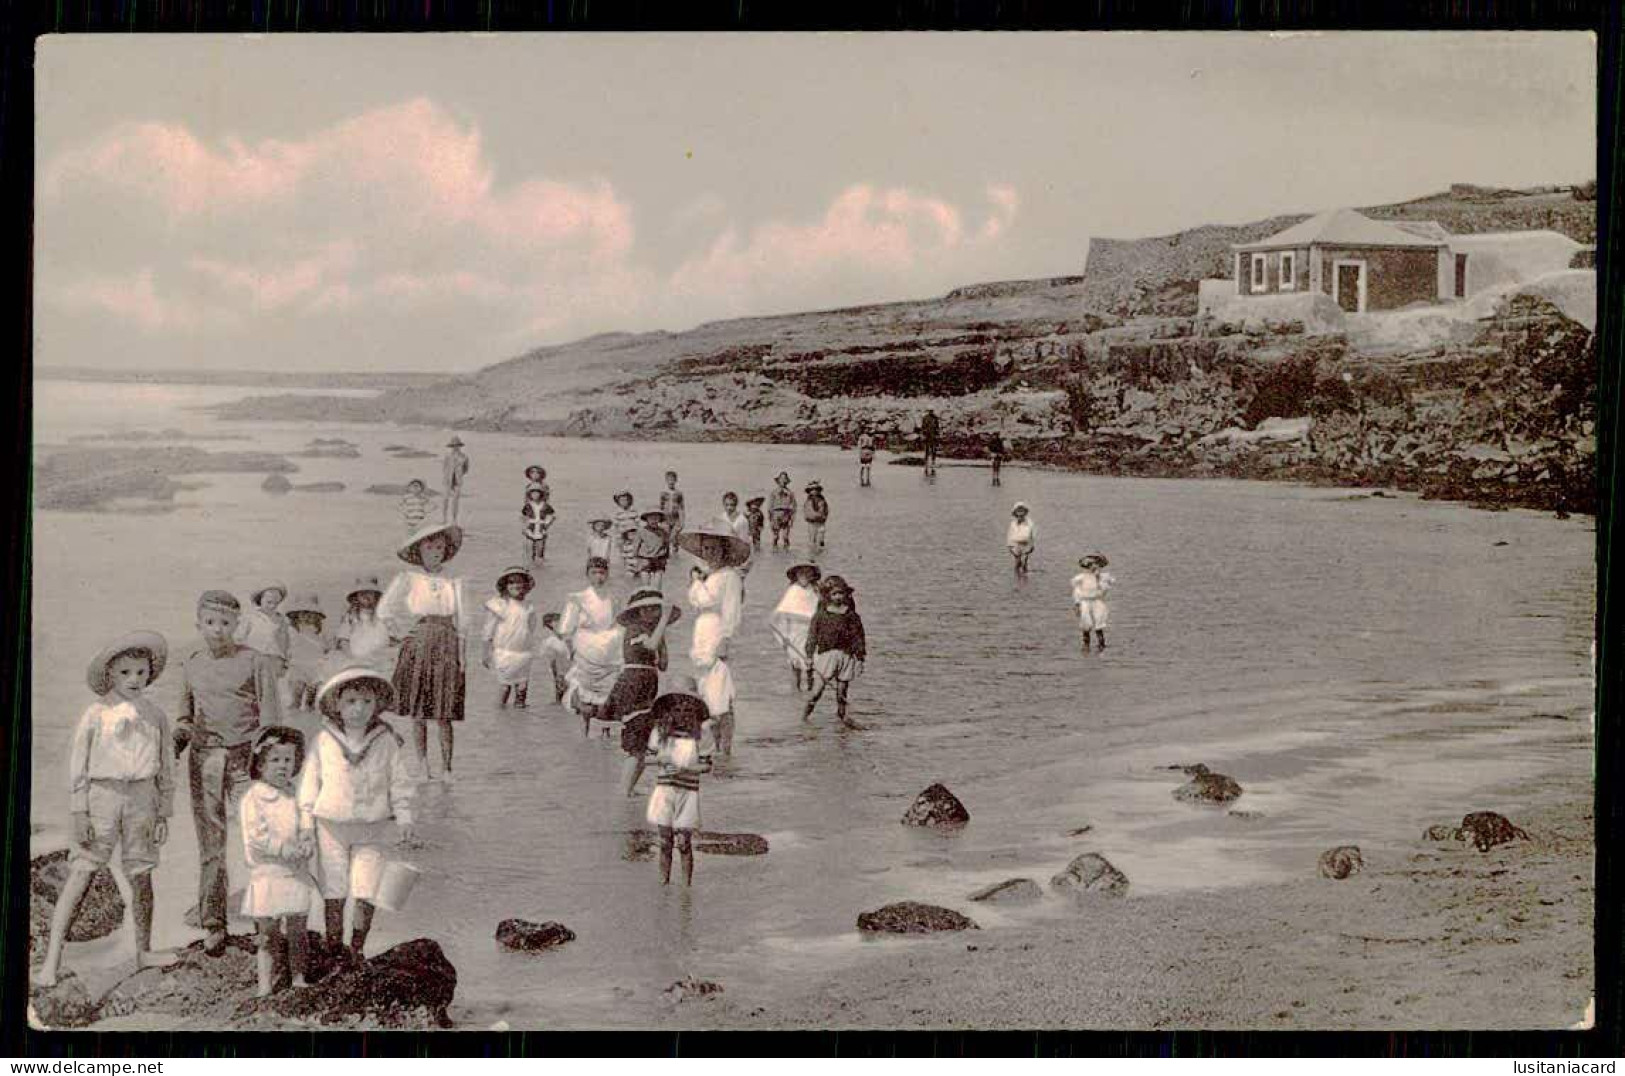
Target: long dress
(718,599)
(589,623)
(508,628)
(790,620)
(429,610)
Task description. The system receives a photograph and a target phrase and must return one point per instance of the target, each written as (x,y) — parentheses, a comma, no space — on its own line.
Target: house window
(1258,272)
(1289,270)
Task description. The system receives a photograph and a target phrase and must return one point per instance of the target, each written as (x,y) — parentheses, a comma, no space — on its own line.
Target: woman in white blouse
(427,608)
(588,624)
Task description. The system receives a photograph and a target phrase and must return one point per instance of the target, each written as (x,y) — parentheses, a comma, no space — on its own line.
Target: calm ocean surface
(1363,667)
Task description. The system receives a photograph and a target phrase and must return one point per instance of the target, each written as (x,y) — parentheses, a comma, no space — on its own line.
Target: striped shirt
(414,509)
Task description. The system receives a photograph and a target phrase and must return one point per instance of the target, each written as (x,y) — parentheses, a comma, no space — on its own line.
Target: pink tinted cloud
(277,286)
(133,298)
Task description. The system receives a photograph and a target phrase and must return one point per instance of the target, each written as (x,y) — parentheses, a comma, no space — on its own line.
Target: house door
(1348,286)
(1461,276)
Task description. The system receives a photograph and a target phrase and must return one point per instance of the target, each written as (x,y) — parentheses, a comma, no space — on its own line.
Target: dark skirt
(429,672)
(634,692)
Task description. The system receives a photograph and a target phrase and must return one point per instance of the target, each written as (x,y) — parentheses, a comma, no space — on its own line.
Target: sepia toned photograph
(789,532)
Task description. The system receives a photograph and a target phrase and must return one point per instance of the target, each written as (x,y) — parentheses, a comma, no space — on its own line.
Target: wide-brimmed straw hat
(522,573)
(1094,559)
(791,572)
(814,484)
(600,519)
(734,549)
(646,599)
(782,476)
(327,700)
(364,584)
(755,502)
(685,711)
(255,596)
(655,513)
(409,548)
(1021,506)
(97,677)
(455,442)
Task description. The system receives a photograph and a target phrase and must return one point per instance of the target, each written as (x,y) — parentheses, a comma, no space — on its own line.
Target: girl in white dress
(791,618)
(717,595)
(1089,589)
(277,846)
(1021,536)
(588,622)
(363,639)
(427,607)
(510,622)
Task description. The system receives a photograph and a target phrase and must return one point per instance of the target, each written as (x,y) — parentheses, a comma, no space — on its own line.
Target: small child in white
(307,650)
(599,542)
(1021,537)
(363,639)
(355,782)
(121,791)
(277,845)
(674,806)
(555,654)
(1089,589)
(510,622)
(263,627)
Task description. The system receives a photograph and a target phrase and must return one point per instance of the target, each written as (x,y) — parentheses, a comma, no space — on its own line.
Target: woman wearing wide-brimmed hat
(588,624)
(426,606)
(792,616)
(717,595)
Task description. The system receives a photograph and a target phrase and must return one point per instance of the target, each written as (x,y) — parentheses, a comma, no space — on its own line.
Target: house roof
(1344,228)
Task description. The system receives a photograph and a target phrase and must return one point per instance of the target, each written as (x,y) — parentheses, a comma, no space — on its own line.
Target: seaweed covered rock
(276,483)
(100,912)
(936,806)
(1091,873)
(530,937)
(63,1006)
(1011,891)
(730,844)
(1207,787)
(1340,862)
(912,917)
(688,988)
(408,987)
(1486,829)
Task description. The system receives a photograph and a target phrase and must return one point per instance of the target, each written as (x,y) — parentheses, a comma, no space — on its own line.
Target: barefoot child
(588,622)
(816,512)
(1021,537)
(363,639)
(674,806)
(121,790)
(652,550)
(793,616)
(538,517)
(307,649)
(644,622)
(754,516)
(278,845)
(866,457)
(536,478)
(510,622)
(1089,589)
(626,531)
(781,509)
(836,646)
(671,506)
(555,654)
(716,593)
(355,782)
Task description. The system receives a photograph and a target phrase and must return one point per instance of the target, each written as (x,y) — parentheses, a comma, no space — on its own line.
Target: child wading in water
(1021,537)
(756,520)
(588,622)
(355,782)
(278,847)
(415,505)
(626,531)
(816,512)
(510,622)
(538,517)
(307,649)
(716,593)
(121,791)
(644,622)
(652,550)
(599,542)
(792,618)
(1089,589)
(836,646)
(671,506)
(674,806)
(428,608)
(362,638)
(866,457)
(536,478)
(555,654)
(781,509)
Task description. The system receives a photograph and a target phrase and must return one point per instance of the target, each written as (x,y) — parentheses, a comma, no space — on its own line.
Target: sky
(420,202)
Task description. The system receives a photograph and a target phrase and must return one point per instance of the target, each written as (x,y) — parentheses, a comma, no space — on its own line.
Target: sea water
(1364,667)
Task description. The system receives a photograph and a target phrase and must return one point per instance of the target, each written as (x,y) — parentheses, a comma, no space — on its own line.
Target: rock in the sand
(1091,873)
(730,844)
(936,806)
(1441,833)
(65,1005)
(1486,829)
(1246,816)
(100,912)
(1208,787)
(530,937)
(912,917)
(276,483)
(1012,891)
(689,988)
(320,487)
(1340,862)
(329,452)
(405,988)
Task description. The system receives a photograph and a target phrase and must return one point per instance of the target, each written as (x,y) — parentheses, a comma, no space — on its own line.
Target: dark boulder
(320,487)
(276,483)
(730,844)
(63,1006)
(408,987)
(1206,787)
(525,935)
(689,988)
(912,917)
(936,806)
(100,912)
(1013,891)
(1340,862)
(1091,872)
(1486,829)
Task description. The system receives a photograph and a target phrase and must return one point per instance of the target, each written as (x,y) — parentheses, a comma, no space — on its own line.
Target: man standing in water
(930,431)
(456,470)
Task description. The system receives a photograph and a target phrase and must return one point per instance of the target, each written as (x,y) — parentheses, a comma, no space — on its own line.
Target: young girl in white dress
(717,595)
(1021,536)
(510,623)
(363,639)
(791,618)
(588,622)
(277,845)
(1089,589)
(427,608)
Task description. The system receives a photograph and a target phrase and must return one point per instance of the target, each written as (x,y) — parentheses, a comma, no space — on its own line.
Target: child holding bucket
(355,782)
(277,845)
